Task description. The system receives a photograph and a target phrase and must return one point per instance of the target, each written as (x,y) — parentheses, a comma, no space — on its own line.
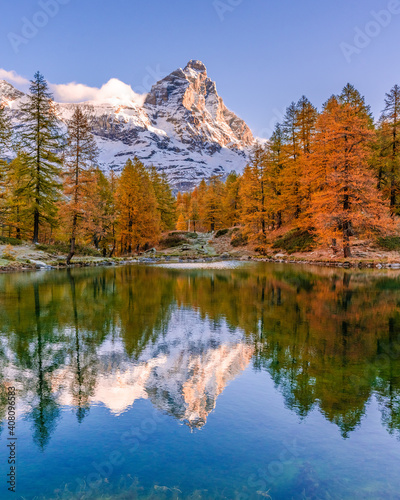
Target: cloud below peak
(114,91)
(12,77)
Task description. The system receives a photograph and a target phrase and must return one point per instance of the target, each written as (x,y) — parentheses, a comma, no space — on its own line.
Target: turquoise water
(251,381)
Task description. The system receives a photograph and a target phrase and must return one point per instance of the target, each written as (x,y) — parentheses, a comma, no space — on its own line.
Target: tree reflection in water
(330,340)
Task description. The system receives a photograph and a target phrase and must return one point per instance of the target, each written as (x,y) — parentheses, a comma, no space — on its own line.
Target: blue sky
(263,54)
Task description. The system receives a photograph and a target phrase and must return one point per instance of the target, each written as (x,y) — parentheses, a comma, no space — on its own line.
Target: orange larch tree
(99,210)
(254,195)
(138,216)
(194,211)
(181,224)
(290,153)
(166,204)
(345,200)
(210,209)
(80,155)
(231,201)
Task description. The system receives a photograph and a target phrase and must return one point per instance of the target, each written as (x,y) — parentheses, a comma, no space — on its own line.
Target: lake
(237,381)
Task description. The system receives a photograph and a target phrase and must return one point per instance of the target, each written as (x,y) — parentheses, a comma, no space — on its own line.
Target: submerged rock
(40,265)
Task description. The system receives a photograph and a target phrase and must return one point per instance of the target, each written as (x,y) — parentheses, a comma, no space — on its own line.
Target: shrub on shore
(10,241)
(239,239)
(389,242)
(221,232)
(295,240)
(63,248)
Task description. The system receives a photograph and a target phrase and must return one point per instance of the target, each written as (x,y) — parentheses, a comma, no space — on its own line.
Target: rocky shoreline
(43,266)
(192,248)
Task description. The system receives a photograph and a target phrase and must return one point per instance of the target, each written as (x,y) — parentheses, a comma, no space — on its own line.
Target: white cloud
(114,91)
(72,92)
(11,76)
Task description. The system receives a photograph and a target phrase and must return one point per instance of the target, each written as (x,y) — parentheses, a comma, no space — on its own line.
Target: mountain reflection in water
(329,339)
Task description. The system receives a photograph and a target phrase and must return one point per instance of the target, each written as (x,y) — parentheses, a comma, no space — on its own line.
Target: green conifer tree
(390,145)
(41,143)
(165,199)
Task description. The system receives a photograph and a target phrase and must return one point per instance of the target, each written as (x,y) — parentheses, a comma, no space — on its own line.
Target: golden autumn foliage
(333,174)
(181,225)
(166,204)
(318,173)
(211,207)
(345,200)
(136,204)
(261,193)
(15,205)
(231,201)
(100,210)
(194,209)
(80,156)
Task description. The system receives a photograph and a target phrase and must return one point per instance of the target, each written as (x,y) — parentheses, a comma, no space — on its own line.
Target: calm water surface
(255,381)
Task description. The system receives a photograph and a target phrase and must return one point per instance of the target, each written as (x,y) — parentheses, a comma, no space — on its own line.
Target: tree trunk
(380,175)
(393,173)
(297,211)
(36,215)
(346,240)
(279,220)
(71,251)
(262,205)
(18,228)
(114,241)
(35,238)
(72,240)
(130,225)
(392,190)
(346,207)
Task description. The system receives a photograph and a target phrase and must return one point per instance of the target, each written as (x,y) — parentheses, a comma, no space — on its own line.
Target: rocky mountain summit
(183,127)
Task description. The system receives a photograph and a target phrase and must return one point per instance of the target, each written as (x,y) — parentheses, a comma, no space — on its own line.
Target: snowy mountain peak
(188,100)
(196,66)
(181,126)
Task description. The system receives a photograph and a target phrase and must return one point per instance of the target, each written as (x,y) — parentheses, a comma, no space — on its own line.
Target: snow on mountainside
(183,127)
(182,371)
(8,93)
